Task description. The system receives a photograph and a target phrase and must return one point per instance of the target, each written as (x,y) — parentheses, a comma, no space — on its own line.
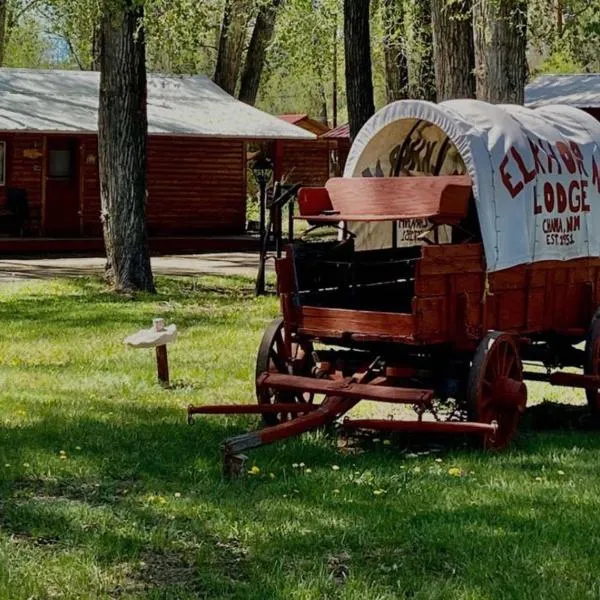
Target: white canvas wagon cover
(535,172)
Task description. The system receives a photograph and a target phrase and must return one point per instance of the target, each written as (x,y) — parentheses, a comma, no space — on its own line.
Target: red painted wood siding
(90,186)
(196,186)
(305,162)
(23,171)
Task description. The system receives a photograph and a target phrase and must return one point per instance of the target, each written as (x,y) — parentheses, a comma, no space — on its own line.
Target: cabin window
(2,163)
(59,164)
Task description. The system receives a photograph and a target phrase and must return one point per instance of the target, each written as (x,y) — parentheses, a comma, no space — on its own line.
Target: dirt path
(244,264)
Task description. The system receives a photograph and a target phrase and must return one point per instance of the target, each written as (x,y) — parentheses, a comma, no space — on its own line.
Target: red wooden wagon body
(423,319)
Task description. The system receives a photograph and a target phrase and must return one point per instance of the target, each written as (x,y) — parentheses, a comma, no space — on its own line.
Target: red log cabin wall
(24,169)
(305,162)
(195,185)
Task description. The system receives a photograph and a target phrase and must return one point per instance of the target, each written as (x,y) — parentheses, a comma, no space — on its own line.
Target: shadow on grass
(110,509)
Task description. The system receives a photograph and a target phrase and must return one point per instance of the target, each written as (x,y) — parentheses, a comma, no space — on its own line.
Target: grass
(106,492)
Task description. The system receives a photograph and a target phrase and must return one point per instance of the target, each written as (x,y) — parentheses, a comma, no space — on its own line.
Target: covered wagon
(468,242)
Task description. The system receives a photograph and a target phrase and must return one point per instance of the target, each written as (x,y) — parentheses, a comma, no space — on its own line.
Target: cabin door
(62,213)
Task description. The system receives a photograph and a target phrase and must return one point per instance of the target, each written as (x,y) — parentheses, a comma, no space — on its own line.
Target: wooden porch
(18,246)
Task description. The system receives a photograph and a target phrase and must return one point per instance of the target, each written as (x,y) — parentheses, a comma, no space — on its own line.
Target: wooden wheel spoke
(510,364)
(279,363)
(273,356)
(279,343)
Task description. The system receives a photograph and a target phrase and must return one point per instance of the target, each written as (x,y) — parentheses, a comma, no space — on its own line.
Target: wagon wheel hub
(509,395)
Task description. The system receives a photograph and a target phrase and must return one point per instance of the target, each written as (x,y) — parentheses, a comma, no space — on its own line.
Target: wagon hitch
(337,402)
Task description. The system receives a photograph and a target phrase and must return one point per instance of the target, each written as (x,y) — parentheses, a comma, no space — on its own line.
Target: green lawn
(106,492)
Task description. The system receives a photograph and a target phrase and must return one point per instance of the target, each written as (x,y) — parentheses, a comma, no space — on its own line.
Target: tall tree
(122,139)
(500,33)
(262,34)
(453,51)
(3,32)
(236,16)
(359,77)
(11,12)
(394,51)
(423,86)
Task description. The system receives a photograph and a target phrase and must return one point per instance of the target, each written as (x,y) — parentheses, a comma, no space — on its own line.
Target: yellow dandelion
(335,467)
(254,470)
(63,457)
(272,475)
(455,472)
(162,500)
(387,442)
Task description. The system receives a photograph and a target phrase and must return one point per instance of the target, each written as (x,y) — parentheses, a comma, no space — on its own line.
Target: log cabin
(197,167)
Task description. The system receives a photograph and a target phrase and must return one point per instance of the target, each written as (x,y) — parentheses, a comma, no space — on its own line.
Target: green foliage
(27,45)
(182,36)
(299,72)
(568,47)
(560,62)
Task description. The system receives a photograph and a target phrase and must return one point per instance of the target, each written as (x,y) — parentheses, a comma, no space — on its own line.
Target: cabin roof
(341,131)
(581,91)
(67,101)
(306,122)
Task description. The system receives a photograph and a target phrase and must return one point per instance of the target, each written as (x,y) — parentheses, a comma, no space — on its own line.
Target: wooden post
(157,337)
(162,365)
(162,359)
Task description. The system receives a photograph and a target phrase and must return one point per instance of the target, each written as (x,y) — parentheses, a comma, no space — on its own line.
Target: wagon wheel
(273,357)
(591,365)
(495,390)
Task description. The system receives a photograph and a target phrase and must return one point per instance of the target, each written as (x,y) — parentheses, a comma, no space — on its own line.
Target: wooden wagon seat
(442,199)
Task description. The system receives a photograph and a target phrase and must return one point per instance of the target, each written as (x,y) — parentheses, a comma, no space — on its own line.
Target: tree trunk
(96,49)
(453,51)
(500,32)
(3,33)
(257,51)
(359,79)
(394,51)
(122,139)
(231,44)
(424,87)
